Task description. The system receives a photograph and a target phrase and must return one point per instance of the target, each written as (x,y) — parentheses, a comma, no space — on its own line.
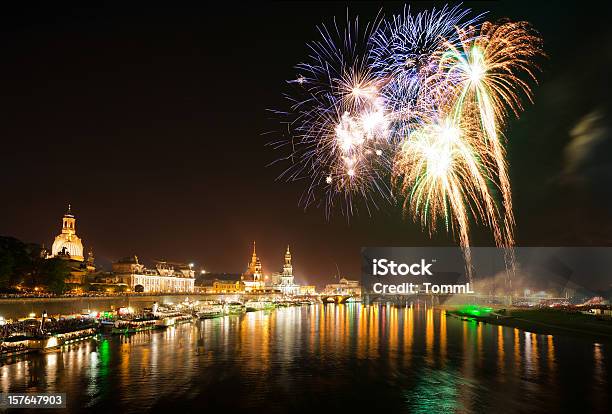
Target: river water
(325,358)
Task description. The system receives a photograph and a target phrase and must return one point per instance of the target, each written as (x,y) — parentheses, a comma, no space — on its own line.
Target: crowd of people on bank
(32,327)
(26,295)
(68,325)
(28,327)
(8,347)
(43,295)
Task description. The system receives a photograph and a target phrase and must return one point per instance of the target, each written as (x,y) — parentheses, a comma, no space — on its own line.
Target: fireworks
(339,123)
(401,51)
(485,84)
(416,103)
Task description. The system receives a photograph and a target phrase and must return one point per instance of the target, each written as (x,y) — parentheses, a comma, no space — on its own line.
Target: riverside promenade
(17,307)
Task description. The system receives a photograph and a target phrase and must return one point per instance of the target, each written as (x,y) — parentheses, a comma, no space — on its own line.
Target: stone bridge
(335,298)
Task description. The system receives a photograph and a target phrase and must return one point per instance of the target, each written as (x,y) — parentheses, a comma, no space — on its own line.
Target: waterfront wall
(20,307)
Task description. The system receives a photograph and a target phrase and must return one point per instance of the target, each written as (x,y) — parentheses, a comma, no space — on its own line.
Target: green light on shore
(474,310)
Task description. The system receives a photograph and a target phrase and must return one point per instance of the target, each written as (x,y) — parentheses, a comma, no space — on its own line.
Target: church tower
(253,278)
(287,267)
(69,226)
(287,286)
(254,267)
(287,276)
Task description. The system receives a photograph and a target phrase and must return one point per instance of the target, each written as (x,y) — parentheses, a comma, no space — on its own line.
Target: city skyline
(69,245)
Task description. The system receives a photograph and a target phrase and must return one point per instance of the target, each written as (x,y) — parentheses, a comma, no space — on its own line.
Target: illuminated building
(286,285)
(344,287)
(253,278)
(67,244)
(308,290)
(224,286)
(165,278)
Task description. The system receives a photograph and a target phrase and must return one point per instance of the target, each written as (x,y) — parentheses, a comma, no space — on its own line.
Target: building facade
(226,286)
(219,287)
(164,278)
(306,290)
(343,287)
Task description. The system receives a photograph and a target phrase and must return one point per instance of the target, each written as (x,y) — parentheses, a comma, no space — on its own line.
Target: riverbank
(133,296)
(548,322)
(78,298)
(17,308)
(18,298)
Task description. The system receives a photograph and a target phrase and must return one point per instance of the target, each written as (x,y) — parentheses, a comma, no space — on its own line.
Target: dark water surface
(325,358)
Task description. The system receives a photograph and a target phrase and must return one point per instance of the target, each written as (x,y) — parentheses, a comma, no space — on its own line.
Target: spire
(287,258)
(254,256)
(254,265)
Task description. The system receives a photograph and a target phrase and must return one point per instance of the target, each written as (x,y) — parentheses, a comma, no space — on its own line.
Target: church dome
(67,242)
(72,247)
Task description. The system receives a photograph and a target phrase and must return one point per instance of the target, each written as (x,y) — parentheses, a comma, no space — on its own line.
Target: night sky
(153,123)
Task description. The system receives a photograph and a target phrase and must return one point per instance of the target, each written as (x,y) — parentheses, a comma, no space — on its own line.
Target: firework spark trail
(444,168)
(421,99)
(483,72)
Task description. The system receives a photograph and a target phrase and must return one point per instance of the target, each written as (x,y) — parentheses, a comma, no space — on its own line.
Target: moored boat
(209,311)
(130,326)
(14,346)
(234,308)
(256,305)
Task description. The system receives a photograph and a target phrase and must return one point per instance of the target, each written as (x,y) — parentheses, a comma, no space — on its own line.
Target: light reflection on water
(326,357)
